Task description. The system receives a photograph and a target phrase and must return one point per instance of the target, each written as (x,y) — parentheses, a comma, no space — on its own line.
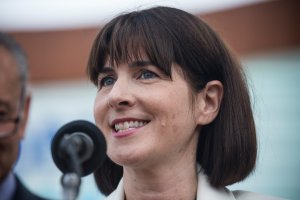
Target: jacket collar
(118,193)
(204,191)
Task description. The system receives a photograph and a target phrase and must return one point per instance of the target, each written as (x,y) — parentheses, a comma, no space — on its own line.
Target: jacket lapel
(206,192)
(118,194)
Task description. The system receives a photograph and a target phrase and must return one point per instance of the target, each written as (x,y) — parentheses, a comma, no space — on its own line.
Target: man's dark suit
(22,193)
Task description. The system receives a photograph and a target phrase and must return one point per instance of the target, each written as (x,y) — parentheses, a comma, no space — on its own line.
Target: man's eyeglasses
(8,127)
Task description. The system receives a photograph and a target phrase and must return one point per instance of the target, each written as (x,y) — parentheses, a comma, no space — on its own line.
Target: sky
(37,15)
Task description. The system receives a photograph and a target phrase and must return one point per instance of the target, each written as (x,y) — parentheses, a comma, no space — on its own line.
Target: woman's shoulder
(247,195)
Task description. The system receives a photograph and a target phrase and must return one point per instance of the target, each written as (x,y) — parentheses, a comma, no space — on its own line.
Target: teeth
(128,124)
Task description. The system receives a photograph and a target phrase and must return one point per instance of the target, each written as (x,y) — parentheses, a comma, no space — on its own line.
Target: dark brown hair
(227,147)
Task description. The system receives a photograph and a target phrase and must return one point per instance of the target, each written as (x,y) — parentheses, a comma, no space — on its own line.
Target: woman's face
(146,117)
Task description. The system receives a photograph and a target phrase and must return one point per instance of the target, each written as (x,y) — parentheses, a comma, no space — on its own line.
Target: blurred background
(57,36)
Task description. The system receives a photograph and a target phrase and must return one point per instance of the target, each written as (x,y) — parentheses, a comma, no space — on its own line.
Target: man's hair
(15,49)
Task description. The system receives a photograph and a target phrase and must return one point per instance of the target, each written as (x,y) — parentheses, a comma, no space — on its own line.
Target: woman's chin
(125,159)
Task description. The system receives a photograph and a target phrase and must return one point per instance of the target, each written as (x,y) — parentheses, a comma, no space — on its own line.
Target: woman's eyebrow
(133,64)
(140,63)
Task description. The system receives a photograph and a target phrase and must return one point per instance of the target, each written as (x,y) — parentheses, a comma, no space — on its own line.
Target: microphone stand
(71,180)
(71,184)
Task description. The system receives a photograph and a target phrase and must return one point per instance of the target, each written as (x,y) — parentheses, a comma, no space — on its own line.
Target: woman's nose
(120,96)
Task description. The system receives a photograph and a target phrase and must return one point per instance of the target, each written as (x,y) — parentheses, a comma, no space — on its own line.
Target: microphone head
(98,154)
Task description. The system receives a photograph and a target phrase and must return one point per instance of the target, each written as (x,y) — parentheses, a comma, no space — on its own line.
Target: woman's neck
(177,181)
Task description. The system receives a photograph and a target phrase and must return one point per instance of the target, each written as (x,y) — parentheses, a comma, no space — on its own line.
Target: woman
(174,108)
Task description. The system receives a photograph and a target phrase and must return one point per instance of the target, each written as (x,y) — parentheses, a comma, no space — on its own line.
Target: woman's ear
(208,102)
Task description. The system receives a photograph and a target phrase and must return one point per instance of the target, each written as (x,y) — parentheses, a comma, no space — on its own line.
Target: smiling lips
(128,125)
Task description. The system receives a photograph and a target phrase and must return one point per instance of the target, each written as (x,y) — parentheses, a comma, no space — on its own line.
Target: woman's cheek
(99,114)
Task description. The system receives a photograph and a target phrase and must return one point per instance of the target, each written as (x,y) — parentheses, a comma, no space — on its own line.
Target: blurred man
(14,109)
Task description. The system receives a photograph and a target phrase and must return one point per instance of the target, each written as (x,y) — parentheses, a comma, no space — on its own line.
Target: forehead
(9,77)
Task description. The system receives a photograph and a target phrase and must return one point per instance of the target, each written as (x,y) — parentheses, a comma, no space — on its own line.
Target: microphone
(78,146)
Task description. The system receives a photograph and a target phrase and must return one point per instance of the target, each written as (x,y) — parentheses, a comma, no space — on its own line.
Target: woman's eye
(106,81)
(148,75)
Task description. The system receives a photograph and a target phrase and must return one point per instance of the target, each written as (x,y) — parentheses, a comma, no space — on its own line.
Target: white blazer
(205,192)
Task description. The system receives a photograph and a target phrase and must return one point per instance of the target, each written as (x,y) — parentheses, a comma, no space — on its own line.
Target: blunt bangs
(132,37)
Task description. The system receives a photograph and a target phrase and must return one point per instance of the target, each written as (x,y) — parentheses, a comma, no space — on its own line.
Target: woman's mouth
(128,125)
